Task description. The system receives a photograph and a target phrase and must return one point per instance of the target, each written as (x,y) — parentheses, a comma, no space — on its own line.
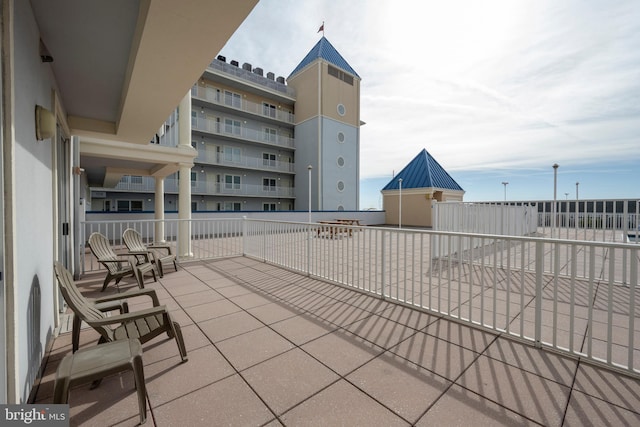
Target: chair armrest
(131,294)
(148,255)
(161,246)
(130,317)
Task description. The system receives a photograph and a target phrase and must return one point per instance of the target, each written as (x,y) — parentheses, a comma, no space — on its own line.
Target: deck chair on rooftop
(154,252)
(144,324)
(117,265)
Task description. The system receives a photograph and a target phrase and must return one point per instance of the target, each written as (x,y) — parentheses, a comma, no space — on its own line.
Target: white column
(159,211)
(184,189)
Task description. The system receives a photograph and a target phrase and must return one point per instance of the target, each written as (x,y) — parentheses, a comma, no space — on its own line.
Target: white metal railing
(241,133)
(247,106)
(576,297)
(249,162)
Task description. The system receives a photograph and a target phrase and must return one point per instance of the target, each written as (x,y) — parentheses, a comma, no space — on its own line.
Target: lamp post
(555,197)
(505,183)
(577,210)
(400,203)
(309,168)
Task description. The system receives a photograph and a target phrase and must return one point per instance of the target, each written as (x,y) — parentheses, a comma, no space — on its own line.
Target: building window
(340,186)
(231,206)
(341,75)
(268,207)
(341,161)
(270,135)
(268,109)
(340,137)
(342,110)
(232,99)
(194,179)
(269,160)
(268,184)
(194,119)
(232,182)
(232,126)
(232,154)
(129,205)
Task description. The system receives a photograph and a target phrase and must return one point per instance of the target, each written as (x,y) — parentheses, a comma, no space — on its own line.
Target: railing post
(538,308)
(384,264)
(309,249)
(244,235)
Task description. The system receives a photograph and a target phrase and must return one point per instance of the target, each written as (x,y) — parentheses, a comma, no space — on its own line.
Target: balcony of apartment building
(233,129)
(230,102)
(231,157)
(199,186)
(330,324)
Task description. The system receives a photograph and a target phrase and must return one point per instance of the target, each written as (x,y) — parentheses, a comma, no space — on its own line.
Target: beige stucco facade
(416,205)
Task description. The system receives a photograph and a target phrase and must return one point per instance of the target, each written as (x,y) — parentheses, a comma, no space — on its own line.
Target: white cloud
(490,84)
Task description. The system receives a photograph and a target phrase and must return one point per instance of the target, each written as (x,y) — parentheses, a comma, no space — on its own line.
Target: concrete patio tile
(585,409)
(530,395)
(230,325)
(341,404)
(271,313)
(340,314)
(462,335)
(169,379)
(442,357)
(407,316)
(211,310)
(461,407)
(219,282)
(188,288)
(181,316)
(250,300)
(288,379)
(381,331)
(197,298)
(234,291)
(301,329)
(263,344)
(404,387)
(229,402)
(340,352)
(536,361)
(609,386)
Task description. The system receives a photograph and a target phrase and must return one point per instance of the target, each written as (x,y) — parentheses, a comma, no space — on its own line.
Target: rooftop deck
(271,347)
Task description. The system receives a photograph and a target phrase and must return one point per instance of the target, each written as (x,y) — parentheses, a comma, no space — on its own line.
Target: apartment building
(264,143)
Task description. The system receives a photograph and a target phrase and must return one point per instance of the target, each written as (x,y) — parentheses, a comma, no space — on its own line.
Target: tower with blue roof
(327,129)
(422,182)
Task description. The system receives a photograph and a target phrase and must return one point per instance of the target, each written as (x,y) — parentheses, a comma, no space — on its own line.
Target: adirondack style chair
(144,324)
(117,266)
(154,252)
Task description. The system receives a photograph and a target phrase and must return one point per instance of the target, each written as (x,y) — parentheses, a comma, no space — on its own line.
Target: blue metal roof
(423,172)
(324,50)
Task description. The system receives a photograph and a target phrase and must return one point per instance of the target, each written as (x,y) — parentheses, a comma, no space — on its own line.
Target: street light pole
(309,168)
(505,183)
(400,203)
(555,197)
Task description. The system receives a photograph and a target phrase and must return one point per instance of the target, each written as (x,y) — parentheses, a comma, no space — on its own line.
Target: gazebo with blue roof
(422,182)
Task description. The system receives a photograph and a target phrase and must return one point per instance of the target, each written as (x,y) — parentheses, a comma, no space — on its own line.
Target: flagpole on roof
(321,28)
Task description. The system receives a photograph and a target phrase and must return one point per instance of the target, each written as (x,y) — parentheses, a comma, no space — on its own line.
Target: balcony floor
(271,347)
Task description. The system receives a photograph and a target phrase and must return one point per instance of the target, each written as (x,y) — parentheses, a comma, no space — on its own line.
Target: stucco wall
(33,201)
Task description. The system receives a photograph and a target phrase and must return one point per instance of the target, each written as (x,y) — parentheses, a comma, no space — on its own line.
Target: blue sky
(496,91)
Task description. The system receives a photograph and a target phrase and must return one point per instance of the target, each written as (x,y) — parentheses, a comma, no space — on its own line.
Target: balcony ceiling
(122,66)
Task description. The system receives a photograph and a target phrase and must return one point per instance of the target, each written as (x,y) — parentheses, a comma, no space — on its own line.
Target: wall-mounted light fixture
(78,170)
(45,123)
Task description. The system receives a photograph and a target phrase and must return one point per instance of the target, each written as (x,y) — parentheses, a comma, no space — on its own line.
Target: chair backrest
(82,307)
(133,240)
(101,249)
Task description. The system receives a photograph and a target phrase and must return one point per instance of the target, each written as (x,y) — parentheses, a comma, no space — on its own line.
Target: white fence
(577,297)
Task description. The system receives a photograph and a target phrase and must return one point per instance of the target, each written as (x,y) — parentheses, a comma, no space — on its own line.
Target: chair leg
(141,388)
(180,341)
(75,333)
(106,281)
